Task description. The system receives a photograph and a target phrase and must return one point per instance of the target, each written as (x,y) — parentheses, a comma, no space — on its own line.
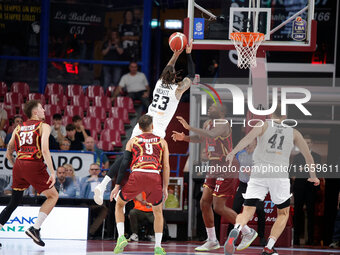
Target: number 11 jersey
(275,145)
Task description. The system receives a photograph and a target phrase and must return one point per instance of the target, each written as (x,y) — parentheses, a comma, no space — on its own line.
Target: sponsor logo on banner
(198,28)
(299,29)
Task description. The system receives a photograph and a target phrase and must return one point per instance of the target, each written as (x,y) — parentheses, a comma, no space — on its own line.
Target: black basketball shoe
(267,251)
(35,235)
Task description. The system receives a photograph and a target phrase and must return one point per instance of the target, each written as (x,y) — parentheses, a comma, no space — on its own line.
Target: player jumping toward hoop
(149,155)
(274,145)
(166,96)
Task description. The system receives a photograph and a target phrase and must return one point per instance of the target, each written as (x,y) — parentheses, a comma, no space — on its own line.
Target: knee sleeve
(284,204)
(13,204)
(115,167)
(251,202)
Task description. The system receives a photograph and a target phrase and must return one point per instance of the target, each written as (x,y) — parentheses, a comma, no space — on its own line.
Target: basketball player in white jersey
(274,145)
(166,96)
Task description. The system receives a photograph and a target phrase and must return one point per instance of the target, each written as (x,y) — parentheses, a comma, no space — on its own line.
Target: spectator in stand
(304,193)
(130,34)
(137,13)
(88,184)
(69,171)
(3,120)
(4,180)
(17,120)
(65,144)
(135,84)
(27,192)
(58,131)
(64,184)
(112,50)
(81,132)
(89,145)
(139,214)
(76,144)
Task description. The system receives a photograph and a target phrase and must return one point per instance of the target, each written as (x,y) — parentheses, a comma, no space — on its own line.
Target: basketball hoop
(246,44)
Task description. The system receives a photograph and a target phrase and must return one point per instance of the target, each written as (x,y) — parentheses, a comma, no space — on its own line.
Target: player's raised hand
(315,180)
(229,158)
(183,122)
(178,52)
(51,180)
(114,193)
(176,136)
(188,48)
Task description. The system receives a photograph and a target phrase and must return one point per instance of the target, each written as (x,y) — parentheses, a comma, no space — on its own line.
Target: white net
(246,45)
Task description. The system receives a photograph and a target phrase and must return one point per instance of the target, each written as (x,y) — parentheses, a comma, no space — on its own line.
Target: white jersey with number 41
(275,145)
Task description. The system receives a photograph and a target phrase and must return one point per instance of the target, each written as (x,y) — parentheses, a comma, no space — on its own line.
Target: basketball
(177,41)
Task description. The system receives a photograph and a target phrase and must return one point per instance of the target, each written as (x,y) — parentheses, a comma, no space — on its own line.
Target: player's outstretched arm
(166,168)
(10,147)
(45,134)
(177,137)
(123,166)
(174,58)
(300,142)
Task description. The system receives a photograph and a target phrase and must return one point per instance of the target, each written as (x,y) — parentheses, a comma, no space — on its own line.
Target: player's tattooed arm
(182,87)
(174,58)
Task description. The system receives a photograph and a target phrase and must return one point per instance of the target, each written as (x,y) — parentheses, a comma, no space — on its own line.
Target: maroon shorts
(29,172)
(150,183)
(221,187)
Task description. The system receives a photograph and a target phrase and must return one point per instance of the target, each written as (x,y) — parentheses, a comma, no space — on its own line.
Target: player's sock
(158,239)
(238,227)
(41,218)
(211,234)
(104,182)
(120,228)
(246,230)
(271,242)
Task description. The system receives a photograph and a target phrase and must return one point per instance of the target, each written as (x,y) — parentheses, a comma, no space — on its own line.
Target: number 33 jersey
(275,145)
(28,140)
(147,152)
(164,105)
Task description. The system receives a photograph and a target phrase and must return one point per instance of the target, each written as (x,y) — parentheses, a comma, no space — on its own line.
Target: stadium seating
(110,90)
(103,101)
(66,120)
(74,90)
(92,124)
(120,113)
(94,90)
(96,112)
(51,109)
(80,100)
(3,91)
(125,102)
(72,110)
(21,87)
(11,111)
(37,96)
(54,88)
(56,99)
(113,136)
(49,120)
(105,146)
(14,99)
(116,124)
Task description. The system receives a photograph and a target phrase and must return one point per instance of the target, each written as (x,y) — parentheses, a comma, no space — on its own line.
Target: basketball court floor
(76,247)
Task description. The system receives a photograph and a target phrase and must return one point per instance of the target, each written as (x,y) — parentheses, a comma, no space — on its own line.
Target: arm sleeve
(191,67)
(123,166)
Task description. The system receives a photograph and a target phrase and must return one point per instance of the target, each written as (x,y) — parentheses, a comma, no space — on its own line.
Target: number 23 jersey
(164,105)
(147,152)
(275,145)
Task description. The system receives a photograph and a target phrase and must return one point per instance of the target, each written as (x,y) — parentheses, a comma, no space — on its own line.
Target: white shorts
(156,131)
(278,188)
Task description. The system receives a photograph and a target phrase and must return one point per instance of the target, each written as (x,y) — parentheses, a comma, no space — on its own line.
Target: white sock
(246,230)
(105,181)
(158,239)
(120,228)
(211,234)
(238,226)
(41,218)
(271,242)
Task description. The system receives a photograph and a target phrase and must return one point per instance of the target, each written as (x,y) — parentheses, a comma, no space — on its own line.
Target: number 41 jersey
(147,152)
(164,105)
(275,145)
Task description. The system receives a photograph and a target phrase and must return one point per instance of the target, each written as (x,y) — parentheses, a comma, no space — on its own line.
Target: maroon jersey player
(30,141)
(218,187)
(149,155)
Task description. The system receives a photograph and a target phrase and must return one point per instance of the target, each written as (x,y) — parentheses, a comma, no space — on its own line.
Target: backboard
(288,25)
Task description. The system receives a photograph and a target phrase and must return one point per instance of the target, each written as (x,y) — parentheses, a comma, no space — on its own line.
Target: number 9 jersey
(28,140)
(162,109)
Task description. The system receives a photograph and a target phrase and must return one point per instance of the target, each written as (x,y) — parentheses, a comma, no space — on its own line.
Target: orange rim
(244,37)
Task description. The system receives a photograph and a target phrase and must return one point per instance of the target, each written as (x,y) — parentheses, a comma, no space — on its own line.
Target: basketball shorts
(221,187)
(157,130)
(151,183)
(30,172)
